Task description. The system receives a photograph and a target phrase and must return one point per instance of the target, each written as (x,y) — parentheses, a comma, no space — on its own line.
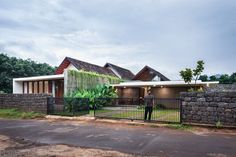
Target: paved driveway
(129,139)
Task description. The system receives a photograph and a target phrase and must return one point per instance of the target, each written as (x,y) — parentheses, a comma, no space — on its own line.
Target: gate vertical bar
(181,110)
(94,107)
(47,105)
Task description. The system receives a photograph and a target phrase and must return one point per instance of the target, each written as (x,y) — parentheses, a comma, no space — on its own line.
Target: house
(160,89)
(135,86)
(57,84)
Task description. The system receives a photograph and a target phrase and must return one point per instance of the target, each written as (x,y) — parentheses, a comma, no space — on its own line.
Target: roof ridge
(85,62)
(119,67)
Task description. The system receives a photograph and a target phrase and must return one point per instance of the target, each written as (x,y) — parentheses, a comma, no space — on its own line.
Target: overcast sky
(167,35)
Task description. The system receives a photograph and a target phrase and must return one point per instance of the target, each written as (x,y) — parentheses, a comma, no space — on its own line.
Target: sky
(168,35)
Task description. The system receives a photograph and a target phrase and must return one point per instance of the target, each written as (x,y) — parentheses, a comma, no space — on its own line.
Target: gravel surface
(19,147)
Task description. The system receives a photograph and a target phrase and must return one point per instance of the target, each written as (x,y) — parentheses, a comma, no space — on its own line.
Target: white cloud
(168,35)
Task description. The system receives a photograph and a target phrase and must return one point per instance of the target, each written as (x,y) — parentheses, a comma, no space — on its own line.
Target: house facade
(57,84)
(159,85)
(132,86)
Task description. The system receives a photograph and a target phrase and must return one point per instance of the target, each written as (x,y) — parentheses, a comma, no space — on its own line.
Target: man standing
(149,103)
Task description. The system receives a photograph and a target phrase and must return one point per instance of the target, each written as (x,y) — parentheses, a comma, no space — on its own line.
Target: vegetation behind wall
(82,80)
(12,67)
(222,78)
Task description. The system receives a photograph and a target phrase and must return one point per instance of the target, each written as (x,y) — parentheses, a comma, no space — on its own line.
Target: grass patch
(98,112)
(16,114)
(167,115)
(70,114)
(180,127)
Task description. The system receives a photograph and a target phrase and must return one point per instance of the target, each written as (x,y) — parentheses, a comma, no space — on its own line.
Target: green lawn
(16,114)
(170,115)
(66,113)
(165,115)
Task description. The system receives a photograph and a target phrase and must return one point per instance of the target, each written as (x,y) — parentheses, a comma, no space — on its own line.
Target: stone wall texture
(25,102)
(222,88)
(209,107)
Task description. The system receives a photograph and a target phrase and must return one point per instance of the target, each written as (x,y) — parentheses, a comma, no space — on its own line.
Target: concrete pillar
(65,82)
(53,89)
(17,87)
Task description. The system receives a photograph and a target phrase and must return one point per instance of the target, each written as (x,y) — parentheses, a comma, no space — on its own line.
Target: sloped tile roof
(124,73)
(81,65)
(154,72)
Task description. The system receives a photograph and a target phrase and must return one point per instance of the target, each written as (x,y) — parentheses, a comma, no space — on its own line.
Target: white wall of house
(18,82)
(70,67)
(17,87)
(65,81)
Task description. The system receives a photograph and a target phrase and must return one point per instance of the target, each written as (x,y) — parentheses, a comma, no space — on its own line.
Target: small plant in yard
(140,107)
(180,126)
(219,125)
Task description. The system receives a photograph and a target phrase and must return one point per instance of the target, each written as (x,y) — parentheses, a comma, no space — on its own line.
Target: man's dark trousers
(148,111)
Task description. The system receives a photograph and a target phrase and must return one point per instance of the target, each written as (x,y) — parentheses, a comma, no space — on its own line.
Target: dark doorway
(141,92)
(59,88)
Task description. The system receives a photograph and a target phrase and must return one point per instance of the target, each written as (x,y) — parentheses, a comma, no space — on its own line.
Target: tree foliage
(12,67)
(199,69)
(189,74)
(203,78)
(223,78)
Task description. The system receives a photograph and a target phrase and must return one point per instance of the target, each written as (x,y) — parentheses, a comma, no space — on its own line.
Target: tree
(213,78)
(12,67)
(203,78)
(199,69)
(188,73)
(224,79)
(233,78)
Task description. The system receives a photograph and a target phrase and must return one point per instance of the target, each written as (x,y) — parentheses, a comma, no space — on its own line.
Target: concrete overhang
(39,78)
(162,83)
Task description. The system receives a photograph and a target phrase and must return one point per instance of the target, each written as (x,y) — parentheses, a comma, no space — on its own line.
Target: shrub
(219,125)
(101,91)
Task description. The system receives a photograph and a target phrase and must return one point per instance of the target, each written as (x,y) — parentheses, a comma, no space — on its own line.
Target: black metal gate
(164,110)
(68,106)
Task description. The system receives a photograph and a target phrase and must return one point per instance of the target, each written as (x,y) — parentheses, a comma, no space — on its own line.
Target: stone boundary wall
(25,102)
(209,108)
(222,88)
